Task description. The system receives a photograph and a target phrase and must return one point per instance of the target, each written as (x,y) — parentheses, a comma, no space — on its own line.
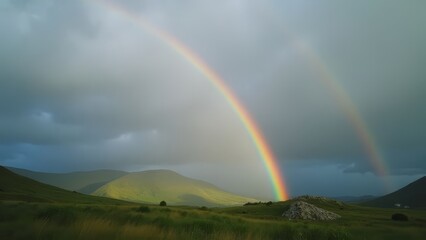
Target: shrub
(144,209)
(204,208)
(399,217)
(163,203)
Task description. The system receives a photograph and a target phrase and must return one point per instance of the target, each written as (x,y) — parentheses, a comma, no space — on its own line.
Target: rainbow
(339,94)
(262,146)
(347,106)
(354,117)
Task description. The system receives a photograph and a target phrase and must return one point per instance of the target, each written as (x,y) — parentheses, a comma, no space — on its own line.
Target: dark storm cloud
(374,51)
(84,88)
(82,96)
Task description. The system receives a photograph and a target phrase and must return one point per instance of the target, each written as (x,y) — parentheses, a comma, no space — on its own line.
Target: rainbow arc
(261,144)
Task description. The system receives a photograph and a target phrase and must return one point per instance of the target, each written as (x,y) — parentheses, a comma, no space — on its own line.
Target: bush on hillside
(399,217)
(258,203)
(144,209)
(163,203)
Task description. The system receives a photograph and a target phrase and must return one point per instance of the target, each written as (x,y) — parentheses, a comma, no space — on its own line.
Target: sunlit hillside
(14,187)
(157,185)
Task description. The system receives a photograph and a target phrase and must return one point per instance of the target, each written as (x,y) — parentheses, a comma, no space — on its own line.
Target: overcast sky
(83,88)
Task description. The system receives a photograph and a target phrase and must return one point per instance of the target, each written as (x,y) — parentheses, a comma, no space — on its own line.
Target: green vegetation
(31,210)
(158,185)
(14,187)
(144,209)
(144,187)
(357,222)
(83,182)
(20,220)
(399,217)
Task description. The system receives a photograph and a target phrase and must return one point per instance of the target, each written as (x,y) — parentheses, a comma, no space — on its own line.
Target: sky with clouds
(83,88)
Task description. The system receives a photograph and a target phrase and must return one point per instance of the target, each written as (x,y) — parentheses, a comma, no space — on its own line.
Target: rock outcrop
(306,211)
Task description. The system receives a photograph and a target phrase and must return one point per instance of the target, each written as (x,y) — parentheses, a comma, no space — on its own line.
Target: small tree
(163,203)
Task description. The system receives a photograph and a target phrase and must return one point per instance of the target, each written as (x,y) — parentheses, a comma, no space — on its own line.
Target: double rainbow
(263,149)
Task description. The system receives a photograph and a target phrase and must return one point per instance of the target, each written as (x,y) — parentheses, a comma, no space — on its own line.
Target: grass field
(32,210)
(20,220)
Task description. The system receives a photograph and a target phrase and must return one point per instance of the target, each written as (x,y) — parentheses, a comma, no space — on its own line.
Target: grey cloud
(77,81)
(95,91)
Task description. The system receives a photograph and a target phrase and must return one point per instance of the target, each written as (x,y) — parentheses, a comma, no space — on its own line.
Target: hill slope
(412,195)
(14,187)
(157,185)
(84,182)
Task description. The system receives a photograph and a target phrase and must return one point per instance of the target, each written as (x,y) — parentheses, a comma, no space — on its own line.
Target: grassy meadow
(33,210)
(23,220)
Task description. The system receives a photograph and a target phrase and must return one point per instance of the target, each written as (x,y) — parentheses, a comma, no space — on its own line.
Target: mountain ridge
(14,187)
(73,181)
(149,186)
(413,195)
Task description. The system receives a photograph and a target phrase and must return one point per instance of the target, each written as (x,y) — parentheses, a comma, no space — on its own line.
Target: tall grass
(50,221)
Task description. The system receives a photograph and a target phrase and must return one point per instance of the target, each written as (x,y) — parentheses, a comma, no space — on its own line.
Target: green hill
(157,185)
(413,196)
(14,187)
(84,182)
(147,187)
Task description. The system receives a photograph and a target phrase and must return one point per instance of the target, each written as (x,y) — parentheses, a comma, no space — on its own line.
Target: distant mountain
(354,199)
(413,196)
(147,186)
(14,187)
(157,185)
(84,182)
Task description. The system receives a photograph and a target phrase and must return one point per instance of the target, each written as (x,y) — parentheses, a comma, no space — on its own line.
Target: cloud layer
(84,88)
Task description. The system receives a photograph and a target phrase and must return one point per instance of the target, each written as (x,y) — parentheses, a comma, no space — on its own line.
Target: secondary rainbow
(348,107)
(262,146)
